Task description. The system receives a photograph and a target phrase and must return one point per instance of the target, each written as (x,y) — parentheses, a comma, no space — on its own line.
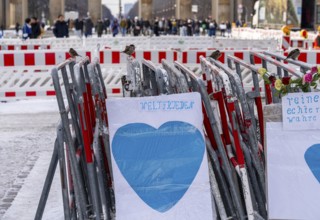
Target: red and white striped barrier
(191,57)
(25,47)
(116,57)
(308,56)
(35,57)
(301,43)
(285,42)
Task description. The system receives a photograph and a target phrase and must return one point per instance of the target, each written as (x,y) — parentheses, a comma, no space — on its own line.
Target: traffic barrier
(35,82)
(25,47)
(301,43)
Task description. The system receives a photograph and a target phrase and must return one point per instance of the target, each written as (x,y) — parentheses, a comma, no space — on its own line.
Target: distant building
(127,7)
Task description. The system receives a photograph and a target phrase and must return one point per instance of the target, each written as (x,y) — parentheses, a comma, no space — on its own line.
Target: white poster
(293,173)
(301,111)
(159,159)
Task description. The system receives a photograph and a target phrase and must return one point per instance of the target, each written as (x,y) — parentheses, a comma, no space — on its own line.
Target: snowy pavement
(27,134)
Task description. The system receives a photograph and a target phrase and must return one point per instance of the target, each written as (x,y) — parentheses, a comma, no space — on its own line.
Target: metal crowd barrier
(82,145)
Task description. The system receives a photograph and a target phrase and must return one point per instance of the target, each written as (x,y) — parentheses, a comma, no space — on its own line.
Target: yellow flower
(262,71)
(278,84)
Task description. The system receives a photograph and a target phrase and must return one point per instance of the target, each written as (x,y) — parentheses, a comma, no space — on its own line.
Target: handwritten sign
(301,111)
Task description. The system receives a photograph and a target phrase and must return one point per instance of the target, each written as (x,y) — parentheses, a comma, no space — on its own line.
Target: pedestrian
(123,27)
(212,29)
(78,26)
(106,25)
(60,29)
(99,28)
(35,28)
(223,28)
(115,27)
(189,28)
(156,28)
(136,27)
(17,27)
(228,25)
(88,25)
(26,29)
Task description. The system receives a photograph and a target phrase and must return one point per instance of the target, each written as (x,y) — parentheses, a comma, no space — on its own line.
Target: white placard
(159,159)
(293,173)
(301,111)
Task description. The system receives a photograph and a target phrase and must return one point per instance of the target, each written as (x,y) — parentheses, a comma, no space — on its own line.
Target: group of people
(32,28)
(157,27)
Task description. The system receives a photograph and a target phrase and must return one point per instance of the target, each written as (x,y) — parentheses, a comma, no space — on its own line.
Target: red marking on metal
(51,93)
(50,58)
(147,55)
(208,128)
(115,57)
(10,47)
(85,136)
(257,60)
(162,55)
(260,117)
(10,94)
(24,47)
(318,58)
(8,59)
(29,59)
(48,47)
(116,91)
(36,47)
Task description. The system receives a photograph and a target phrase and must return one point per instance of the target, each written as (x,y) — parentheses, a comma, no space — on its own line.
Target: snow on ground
(27,134)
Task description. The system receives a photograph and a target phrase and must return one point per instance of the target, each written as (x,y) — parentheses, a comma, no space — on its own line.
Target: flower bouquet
(287,84)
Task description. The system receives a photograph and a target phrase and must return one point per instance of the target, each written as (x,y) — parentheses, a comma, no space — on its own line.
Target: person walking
(88,25)
(26,29)
(228,25)
(123,27)
(60,29)
(35,28)
(115,27)
(99,28)
(78,26)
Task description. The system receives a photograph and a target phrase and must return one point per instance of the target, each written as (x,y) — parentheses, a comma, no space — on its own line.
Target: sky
(114,5)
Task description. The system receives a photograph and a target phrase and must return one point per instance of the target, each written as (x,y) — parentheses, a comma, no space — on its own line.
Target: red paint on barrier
(50,58)
(318,58)
(36,47)
(51,93)
(88,54)
(185,57)
(239,55)
(115,57)
(116,91)
(29,59)
(10,47)
(175,55)
(31,93)
(162,55)
(147,55)
(257,60)
(24,47)
(303,57)
(221,58)
(101,57)
(68,55)
(200,54)
(10,94)
(8,59)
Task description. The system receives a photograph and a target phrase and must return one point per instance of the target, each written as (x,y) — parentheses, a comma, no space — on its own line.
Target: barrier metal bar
(224,85)
(238,90)
(304,67)
(252,138)
(83,106)
(75,170)
(198,86)
(177,81)
(155,77)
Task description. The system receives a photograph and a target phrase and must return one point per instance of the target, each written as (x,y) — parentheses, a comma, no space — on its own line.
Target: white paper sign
(293,173)
(159,159)
(301,111)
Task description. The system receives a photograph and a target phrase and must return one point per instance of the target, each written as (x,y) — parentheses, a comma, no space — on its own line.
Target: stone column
(56,7)
(185,9)
(214,10)
(94,8)
(24,13)
(145,9)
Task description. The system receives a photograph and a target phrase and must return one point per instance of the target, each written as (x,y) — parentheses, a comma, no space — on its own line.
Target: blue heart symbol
(159,164)
(312,157)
